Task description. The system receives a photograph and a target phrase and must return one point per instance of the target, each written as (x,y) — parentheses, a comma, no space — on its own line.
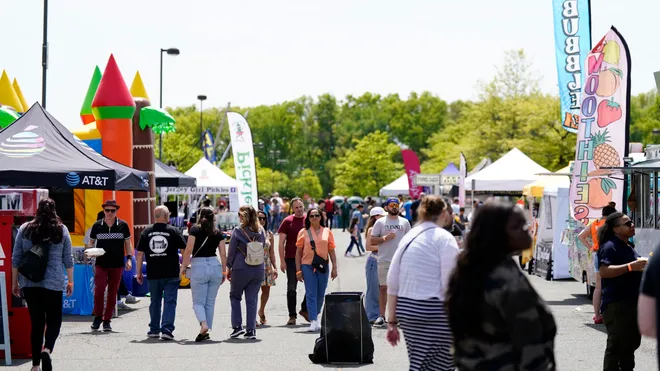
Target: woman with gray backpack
(245,271)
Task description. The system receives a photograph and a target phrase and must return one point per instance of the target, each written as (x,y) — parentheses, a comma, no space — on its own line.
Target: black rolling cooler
(345,331)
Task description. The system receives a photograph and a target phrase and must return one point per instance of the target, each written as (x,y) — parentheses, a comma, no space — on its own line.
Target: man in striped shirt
(114,236)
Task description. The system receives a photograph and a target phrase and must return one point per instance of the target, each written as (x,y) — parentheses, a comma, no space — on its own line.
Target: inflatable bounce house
(12,101)
(119,123)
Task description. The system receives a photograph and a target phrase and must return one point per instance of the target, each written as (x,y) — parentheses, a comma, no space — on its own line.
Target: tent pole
(474,183)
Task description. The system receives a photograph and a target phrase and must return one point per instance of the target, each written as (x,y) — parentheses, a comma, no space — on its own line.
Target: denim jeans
(163,290)
(291,287)
(355,241)
(246,281)
(205,280)
(373,288)
(315,285)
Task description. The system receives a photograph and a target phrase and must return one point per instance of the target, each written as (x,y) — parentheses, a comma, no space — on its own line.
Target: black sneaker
(202,337)
(96,325)
(250,334)
(46,362)
(238,331)
(153,334)
(380,322)
(106,326)
(166,335)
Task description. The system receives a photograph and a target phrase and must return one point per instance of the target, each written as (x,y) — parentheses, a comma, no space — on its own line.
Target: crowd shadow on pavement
(242,341)
(341,366)
(575,300)
(594,326)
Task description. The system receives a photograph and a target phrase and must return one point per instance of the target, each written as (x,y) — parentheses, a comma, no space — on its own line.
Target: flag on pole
(411,163)
(209,146)
(572,43)
(461,185)
(602,138)
(243,151)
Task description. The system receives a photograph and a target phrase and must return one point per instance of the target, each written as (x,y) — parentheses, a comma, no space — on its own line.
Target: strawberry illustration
(609,111)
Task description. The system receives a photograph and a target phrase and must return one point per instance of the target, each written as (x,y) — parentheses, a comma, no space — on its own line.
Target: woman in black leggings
(44,298)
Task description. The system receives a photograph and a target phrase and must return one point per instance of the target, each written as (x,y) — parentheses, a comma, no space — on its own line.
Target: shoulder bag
(318,262)
(34,263)
(187,273)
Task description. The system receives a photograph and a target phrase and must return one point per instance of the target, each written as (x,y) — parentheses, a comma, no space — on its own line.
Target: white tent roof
(397,187)
(209,175)
(510,173)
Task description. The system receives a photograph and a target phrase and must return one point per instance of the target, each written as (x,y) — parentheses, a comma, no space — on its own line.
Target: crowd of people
(470,307)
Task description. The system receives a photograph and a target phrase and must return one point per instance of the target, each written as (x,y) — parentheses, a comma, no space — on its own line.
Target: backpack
(254,254)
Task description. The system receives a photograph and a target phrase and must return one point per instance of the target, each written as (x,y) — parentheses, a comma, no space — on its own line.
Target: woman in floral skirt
(270,270)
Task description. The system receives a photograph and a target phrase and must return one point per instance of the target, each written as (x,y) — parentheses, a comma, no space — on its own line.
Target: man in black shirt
(415,206)
(161,243)
(114,236)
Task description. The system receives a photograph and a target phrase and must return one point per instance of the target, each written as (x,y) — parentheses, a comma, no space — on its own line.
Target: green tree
(305,183)
(368,167)
(511,113)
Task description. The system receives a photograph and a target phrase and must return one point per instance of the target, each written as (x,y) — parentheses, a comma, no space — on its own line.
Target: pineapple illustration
(604,154)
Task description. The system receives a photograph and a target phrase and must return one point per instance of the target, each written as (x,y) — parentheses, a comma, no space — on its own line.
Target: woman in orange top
(592,231)
(315,281)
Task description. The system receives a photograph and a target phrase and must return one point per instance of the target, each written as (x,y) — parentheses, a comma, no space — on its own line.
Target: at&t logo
(73,179)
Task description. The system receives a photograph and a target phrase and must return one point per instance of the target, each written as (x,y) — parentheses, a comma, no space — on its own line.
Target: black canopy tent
(37,151)
(167,176)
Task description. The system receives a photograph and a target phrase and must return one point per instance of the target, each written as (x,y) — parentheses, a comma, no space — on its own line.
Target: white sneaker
(312,326)
(122,306)
(130,299)
(318,326)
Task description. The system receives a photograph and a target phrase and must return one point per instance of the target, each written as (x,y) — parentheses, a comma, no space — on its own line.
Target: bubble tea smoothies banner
(572,43)
(602,140)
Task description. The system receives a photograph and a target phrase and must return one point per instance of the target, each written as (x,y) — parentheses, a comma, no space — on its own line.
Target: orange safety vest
(594,232)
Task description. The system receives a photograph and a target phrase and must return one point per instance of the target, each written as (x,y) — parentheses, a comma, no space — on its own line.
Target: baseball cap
(392,200)
(377,211)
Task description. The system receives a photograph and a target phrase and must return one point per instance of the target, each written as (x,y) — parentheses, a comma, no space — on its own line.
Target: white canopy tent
(510,173)
(397,187)
(210,181)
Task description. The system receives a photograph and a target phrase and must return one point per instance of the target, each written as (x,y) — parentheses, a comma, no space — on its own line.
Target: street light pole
(201,98)
(44,56)
(169,51)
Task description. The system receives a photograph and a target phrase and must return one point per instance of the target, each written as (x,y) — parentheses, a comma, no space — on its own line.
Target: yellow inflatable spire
(20,95)
(8,96)
(137,87)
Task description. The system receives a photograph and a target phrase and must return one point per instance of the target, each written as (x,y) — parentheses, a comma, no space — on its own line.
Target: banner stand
(5,341)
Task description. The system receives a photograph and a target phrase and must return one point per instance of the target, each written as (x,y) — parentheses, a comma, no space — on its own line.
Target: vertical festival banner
(411,163)
(209,146)
(243,151)
(461,185)
(572,43)
(602,138)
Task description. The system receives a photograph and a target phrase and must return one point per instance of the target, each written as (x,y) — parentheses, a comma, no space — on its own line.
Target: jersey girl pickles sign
(602,138)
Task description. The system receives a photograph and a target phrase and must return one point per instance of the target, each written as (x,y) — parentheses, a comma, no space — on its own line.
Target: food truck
(642,168)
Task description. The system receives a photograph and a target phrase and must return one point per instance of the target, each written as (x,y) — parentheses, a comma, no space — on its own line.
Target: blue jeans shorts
(596,262)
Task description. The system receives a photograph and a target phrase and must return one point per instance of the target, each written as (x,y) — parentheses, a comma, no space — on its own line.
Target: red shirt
(290,227)
(329,206)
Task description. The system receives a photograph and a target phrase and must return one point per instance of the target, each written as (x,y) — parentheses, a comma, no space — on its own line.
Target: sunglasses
(110,210)
(262,218)
(393,204)
(629,223)
(315,216)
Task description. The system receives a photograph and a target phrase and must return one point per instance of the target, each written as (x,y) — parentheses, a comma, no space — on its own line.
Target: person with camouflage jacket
(498,320)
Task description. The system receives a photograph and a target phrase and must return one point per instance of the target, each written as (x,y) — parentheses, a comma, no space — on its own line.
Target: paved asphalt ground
(579,344)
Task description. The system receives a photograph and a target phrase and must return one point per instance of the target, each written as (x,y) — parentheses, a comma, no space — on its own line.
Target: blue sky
(253,52)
